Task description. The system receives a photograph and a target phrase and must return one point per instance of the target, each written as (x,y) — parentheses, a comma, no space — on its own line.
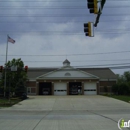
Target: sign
(13,68)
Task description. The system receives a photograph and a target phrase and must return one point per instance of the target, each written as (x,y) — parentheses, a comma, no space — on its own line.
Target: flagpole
(6,66)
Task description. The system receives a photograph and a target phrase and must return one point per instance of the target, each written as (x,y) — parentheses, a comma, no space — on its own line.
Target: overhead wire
(57,7)
(61,15)
(91,67)
(48,22)
(116,66)
(55,1)
(62,33)
(113,60)
(76,54)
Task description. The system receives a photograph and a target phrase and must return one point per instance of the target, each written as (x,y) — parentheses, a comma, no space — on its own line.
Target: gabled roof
(67,72)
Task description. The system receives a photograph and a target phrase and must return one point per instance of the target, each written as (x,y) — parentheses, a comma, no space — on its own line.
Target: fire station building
(68,80)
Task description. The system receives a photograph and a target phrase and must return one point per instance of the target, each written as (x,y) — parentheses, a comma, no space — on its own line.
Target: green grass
(7,103)
(121,97)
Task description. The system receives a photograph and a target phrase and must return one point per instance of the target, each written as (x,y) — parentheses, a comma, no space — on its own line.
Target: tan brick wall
(31,84)
(52,86)
(106,86)
(67,88)
(33,90)
(32,87)
(98,88)
(82,88)
(107,83)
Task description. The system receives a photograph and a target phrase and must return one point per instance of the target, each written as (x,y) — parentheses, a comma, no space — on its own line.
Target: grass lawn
(120,97)
(7,103)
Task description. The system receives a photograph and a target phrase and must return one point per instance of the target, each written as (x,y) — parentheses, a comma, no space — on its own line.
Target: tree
(16,79)
(115,89)
(123,89)
(20,88)
(123,84)
(120,79)
(127,76)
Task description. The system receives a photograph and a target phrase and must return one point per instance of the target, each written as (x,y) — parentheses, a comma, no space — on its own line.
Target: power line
(65,34)
(114,60)
(111,66)
(57,1)
(48,33)
(44,1)
(48,22)
(58,7)
(75,54)
(98,30)
(106,65)
(112,29)
(62,15)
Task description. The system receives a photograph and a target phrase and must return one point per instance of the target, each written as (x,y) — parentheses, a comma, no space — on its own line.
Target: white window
(31,90)
(28,90)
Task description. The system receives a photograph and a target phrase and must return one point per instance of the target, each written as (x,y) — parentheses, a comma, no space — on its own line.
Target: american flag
(11,40)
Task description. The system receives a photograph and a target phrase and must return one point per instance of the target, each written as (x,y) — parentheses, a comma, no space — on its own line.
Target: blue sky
(49,31)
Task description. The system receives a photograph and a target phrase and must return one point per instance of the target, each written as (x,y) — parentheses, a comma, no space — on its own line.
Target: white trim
(30,90)
(32,80)
(43,76)
(108,80)
(67,78)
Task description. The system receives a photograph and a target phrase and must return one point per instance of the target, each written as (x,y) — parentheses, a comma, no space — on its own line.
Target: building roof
(33,73)
(102,73)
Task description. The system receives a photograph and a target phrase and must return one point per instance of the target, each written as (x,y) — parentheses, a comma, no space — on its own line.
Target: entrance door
(90,88)
(60,89)
(75,88)
(45,88)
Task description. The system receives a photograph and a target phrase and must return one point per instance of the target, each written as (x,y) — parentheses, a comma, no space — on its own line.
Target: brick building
(68,80)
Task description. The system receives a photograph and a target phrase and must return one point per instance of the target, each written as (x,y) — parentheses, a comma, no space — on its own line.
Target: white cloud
(55,40)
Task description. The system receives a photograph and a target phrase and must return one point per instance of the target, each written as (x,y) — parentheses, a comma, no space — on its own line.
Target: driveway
(65,113)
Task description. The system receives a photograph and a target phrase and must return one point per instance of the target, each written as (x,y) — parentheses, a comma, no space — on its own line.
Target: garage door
(90,88)
(60,89)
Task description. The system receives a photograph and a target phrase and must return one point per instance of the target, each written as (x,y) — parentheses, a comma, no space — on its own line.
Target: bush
(121,89)
(24,96)
(115,89)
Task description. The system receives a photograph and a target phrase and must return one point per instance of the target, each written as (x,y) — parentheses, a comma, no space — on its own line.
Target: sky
(49,31)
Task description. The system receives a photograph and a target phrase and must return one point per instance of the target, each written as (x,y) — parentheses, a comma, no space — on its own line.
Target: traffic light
(26,68)
(88,29)
(1,68)
(93,6)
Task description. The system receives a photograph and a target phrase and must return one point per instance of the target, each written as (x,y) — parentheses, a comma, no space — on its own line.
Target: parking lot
(65,113)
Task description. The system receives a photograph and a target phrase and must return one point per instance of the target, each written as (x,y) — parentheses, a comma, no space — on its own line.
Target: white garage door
(90,88)
(60,89)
